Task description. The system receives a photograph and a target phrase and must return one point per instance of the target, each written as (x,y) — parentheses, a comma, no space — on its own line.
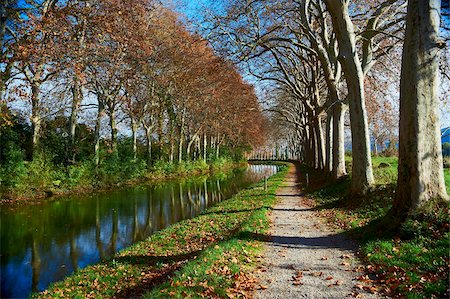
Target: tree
(420,169)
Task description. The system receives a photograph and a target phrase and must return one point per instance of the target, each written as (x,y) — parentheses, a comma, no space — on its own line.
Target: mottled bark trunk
(98,124)
(134,128)
(329,143)
(375,147)
(76,101)
(189,147)
(362,176)
(148,139)
(338,141)
(205,148)
(180,147)
(36,118)
(172,142)
(320,143)
(420,169)
(113,127)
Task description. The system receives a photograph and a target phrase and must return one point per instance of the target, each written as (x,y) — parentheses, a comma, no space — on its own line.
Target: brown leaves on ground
(298,278)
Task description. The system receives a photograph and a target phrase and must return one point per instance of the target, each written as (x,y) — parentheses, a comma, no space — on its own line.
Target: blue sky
(195,9)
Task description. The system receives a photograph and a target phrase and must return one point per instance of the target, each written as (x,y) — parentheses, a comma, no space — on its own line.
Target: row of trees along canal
(79,71)
(324,57)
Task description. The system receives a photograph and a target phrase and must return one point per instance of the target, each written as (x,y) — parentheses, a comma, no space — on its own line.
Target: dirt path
(304,258)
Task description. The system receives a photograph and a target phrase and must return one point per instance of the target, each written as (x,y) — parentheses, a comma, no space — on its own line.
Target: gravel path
(305,258)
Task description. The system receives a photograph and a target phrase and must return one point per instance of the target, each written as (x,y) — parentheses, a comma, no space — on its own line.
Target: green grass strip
(208,255)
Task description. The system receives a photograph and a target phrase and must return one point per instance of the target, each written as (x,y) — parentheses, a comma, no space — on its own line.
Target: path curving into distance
(304,257)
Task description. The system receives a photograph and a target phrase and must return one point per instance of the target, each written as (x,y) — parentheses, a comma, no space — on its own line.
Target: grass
(210,255)
(410,260)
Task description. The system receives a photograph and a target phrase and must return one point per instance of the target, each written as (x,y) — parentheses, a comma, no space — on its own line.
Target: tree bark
(76,101)
(320,141)
(98,123)
(362,175)
(205,147)
(36,119)
(113,126)
(148,137)
(338,141)
(134,128)
(329,143)
(420,169)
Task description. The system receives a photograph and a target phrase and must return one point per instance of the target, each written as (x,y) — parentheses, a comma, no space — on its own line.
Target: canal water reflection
(44,243)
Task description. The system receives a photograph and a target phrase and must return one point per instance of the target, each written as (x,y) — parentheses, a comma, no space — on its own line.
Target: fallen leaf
(329,278)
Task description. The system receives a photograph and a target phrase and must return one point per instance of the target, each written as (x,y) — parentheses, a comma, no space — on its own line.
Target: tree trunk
(148,138)
(420,169)
(76,101)
(338,141)
(205,147)
(329,143)
(375,147)
(134,129)
(320,141)
(113,126)
(171,141)
(362,176)
(180,147)
(98,123)
(189,146)
(36,119)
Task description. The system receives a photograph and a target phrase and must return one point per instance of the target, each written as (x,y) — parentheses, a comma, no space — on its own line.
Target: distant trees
(126,63)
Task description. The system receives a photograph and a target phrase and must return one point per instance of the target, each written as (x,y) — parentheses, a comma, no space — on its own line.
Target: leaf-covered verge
(211,255)
(410,259)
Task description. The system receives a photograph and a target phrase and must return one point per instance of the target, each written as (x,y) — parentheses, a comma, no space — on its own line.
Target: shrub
(12,170)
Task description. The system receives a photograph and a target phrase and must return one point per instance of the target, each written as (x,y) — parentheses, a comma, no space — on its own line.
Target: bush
(80,175)
(12,170)
(40,172)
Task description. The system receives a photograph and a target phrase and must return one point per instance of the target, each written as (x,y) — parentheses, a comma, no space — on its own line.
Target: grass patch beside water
(410,260)
(210,255)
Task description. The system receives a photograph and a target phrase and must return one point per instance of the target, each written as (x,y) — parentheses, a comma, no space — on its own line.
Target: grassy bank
(410,260)
(40,178)
(211,255)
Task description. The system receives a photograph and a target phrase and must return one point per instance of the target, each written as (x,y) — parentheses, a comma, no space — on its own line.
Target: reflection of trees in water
(115,228)
(35,264)
(73,251)
(98,237)
(148,222)
(67,224)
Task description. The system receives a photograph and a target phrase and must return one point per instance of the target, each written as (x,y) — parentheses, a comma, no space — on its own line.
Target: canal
(46,242)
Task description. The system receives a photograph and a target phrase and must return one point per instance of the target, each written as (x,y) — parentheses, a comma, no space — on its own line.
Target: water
(46,242)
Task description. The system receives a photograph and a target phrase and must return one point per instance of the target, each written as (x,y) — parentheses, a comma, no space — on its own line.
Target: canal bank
(204,255)
(45,243)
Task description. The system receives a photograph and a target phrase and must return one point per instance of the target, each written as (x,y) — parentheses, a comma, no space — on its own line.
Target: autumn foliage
(131,65)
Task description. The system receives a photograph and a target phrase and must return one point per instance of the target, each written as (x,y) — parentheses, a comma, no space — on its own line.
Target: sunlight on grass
(204,255)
